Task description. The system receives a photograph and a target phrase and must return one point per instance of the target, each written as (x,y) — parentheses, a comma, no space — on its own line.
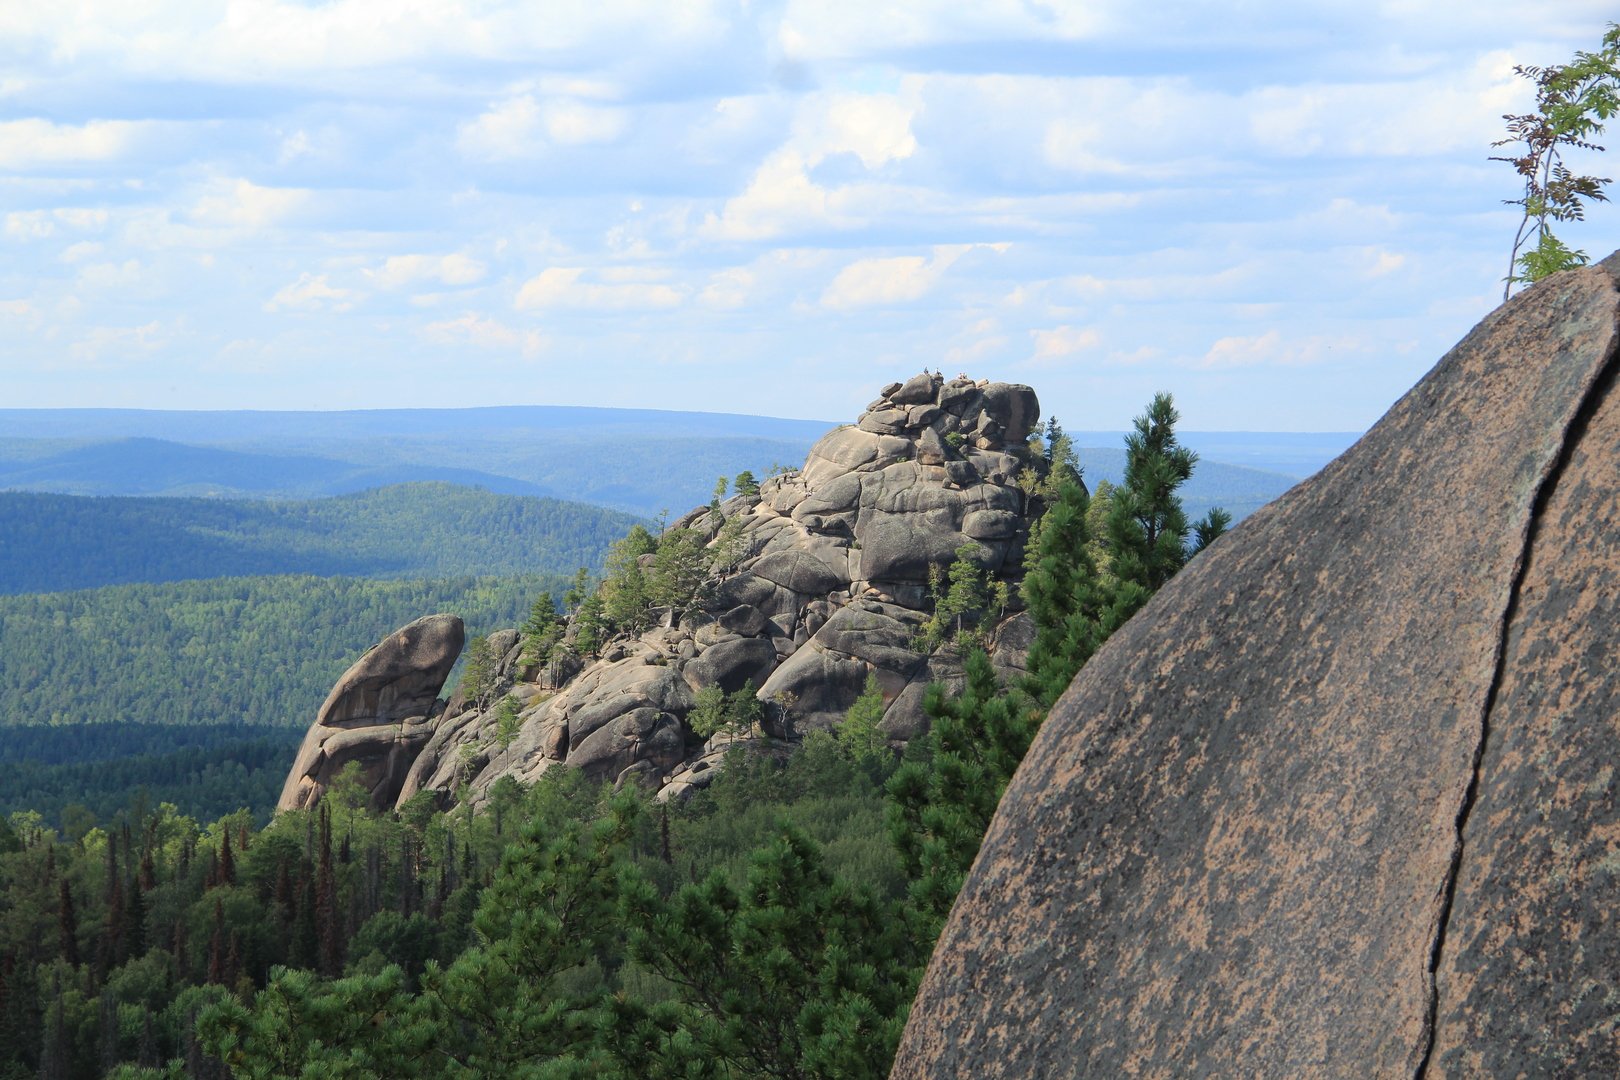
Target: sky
(1283,213)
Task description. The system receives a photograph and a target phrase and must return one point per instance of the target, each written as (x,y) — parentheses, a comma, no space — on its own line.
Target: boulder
(632,684)
(1013,408)
(826,584)
(1341,800)
(918,390)
(731,665)
(377,714)
(640,735)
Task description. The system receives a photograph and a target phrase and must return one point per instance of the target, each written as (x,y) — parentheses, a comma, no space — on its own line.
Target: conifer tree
(1065,596)
(1147,528)
(328,928)
(227,862)
(859,735)
(541,630)
(67,925)
(939,810)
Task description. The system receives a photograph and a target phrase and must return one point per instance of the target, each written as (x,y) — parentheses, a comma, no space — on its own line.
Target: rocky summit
(379,715)
(828,583)
(1341,801)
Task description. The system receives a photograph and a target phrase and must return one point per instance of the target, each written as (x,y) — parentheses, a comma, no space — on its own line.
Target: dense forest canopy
(253,650)
(56,542)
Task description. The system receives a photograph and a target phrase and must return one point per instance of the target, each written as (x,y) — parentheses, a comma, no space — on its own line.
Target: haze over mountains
(637,460)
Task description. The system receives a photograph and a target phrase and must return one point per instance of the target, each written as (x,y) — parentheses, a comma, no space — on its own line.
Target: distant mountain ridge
(144,466)
(50,543)
(641,461)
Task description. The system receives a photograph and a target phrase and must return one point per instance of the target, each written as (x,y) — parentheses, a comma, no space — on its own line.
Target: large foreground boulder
(379,714)
(1341,800)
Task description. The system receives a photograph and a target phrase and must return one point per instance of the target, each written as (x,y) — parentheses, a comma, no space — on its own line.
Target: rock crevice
(1230,849)
(1600,393)
(825,582)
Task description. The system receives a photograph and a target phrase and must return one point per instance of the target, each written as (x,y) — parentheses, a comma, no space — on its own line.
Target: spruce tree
(67,925)
(939,810)
(1065,596)
(1147,528)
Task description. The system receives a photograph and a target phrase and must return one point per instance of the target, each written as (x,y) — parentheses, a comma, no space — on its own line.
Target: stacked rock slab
(1341,800)
(832,587)
(829,586)
(379,714)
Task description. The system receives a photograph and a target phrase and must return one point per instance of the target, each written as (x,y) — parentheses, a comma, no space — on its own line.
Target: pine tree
(939,810)
(328,928)
(67,925)
(542,630)
(860,735)
(226,872)
(1065,596)
(1147,528)
(625,592)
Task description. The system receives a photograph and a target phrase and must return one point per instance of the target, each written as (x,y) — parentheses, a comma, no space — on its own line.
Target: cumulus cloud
(242,204)
(40,224)
(563,287)
(311,292)
(524,126)
(34,143)
(728,289)
(1273,348)
(894,280)
(782,196)
(484,332)
(110,275)
(453,269)
(1062,343)
(111,343)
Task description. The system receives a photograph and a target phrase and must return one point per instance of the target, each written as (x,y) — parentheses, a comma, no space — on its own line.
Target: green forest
(774,925)
(234,651)
(75,776)
(50,543)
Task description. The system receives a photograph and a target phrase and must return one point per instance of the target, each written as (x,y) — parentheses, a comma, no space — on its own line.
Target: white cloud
(16,309)
(119,341)
(39,224)
(243,204)
(1423,117)
(562,287)
(782,196)
(110,275)
(311,292)
(522,127)
(893,280)
(84,249)
(1272,348)
(35,143)
(1062,342)
(728,289)
(453,269)
(485,333)
(843,29)
(1384,262)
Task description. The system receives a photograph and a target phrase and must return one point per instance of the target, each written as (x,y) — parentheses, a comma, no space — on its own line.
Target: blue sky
(1281,212)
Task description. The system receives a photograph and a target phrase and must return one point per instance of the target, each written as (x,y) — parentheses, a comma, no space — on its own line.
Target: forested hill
(261,650)
(56,542)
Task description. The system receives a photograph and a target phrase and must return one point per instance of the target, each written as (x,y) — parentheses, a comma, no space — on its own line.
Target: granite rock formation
(380,714)
(1341,800)
(830,584)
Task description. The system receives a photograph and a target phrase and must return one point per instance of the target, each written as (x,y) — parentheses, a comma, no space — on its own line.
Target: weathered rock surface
(379,713)
(830,585)
(1341,800)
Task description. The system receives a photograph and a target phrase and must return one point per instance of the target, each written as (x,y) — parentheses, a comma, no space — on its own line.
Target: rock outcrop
(380,714)
(1341,801)
(828,583)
